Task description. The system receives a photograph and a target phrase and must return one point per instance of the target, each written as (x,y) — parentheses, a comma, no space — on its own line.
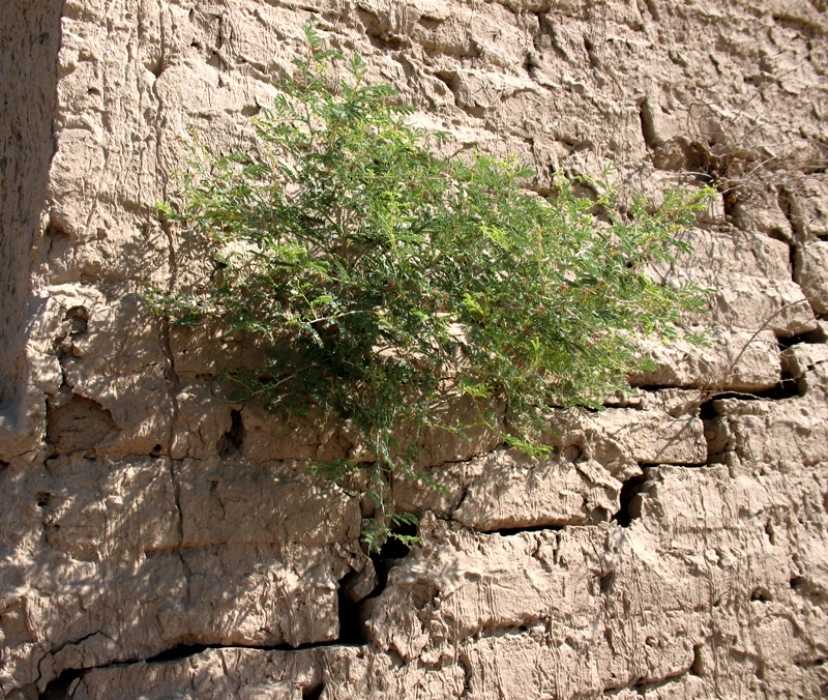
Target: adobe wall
(157,542)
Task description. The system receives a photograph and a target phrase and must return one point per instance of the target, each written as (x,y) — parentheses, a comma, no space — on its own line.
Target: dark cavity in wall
(313,693)
(351,629)
(354,589)
(233,439)
(62,687)
(391,553)
(631,500)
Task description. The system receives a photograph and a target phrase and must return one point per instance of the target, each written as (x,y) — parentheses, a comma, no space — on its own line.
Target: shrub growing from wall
(385,280)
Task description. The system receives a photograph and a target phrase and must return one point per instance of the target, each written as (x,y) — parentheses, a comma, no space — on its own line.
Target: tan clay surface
(157,542)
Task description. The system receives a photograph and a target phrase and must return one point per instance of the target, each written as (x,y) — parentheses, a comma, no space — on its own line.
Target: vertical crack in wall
(174,384)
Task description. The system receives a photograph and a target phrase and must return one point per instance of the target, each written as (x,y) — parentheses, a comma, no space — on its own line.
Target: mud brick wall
(156,542)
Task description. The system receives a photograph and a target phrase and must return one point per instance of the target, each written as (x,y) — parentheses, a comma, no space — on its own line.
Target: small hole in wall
(43,499)
(77,320)
(697,669)
(606,582)
(761,595)
(769,531)
(157,68)
(572,453)
(780,235)
(156,451)
(600,515)
(797,582)
(55,229)
(707,411)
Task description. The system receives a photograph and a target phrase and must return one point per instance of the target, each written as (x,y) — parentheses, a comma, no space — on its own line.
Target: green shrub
(385,279)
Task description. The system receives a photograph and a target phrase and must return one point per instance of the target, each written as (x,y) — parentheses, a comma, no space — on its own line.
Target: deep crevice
(61,687)
(393,549)
(179,652)
(683,465)
(231,442)
(793,250)
(631,500)
(707,411)
(351,629)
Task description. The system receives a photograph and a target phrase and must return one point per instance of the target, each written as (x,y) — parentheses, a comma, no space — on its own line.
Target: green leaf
(383,281)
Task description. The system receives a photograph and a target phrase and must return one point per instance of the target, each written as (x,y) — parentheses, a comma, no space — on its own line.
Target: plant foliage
(385,279)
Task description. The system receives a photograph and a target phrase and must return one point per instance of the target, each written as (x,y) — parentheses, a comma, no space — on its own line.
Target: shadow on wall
(29,43)
(114,562)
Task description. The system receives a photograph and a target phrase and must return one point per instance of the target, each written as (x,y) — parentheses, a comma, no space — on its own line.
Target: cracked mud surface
(158,542)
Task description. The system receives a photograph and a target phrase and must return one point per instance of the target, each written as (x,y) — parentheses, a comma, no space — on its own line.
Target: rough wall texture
(158,543)
(29,44)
